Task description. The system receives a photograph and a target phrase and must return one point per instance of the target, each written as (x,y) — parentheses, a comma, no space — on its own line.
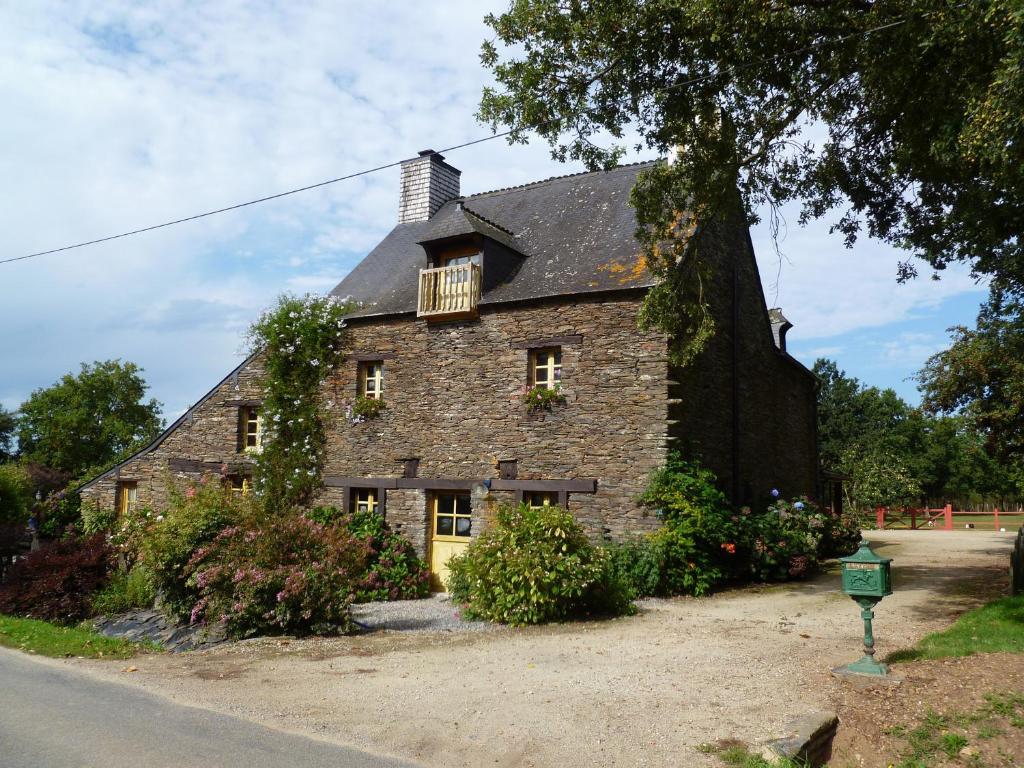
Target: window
(371,379)
(365,500)
(452,515)
(251,427)
(537,499)
(546,367)
(239,484)
(129,500)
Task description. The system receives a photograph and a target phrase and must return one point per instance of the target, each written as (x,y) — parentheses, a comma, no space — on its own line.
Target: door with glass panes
(451,525)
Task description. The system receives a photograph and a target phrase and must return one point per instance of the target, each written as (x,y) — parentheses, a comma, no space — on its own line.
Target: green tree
(15,494)
(920,104)
(8,423)
(981,375)
(94,418)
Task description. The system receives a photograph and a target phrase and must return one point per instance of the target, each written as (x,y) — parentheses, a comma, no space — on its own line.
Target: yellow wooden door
(451,527)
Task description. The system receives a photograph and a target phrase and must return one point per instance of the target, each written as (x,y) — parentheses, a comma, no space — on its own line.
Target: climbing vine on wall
(300,341)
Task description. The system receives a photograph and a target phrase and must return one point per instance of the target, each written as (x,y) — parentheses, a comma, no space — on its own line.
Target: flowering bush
(532,566)
(56,582)
(300,341)
(542,398)
(166,542)
(785,540)
(697,545)
(841,535)
(393,569)
(281,574)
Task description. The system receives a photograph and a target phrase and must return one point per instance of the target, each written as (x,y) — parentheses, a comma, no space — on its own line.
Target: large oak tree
(900,118)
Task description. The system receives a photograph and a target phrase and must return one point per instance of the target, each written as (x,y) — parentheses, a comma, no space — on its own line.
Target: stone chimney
(428,182)
(780,325)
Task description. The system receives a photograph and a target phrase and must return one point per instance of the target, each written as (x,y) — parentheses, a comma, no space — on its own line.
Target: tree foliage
(982,375)
(90,419)
(919,105)
(8,424)
(898,454)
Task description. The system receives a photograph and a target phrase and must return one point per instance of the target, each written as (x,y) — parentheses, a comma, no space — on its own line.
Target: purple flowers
(775,493)
(799,505)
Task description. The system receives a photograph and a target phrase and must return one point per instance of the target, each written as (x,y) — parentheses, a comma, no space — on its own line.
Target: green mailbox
(865,574)
(867,578)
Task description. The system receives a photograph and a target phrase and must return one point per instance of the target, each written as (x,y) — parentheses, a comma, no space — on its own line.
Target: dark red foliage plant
(56,582)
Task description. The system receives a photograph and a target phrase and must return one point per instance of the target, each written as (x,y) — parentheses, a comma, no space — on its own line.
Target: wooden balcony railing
(449,292)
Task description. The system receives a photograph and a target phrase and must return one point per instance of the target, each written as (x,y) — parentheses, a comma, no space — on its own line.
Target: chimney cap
(426,152)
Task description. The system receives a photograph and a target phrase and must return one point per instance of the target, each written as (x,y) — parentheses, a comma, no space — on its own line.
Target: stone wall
(763,434)
(454,401)
(207,437)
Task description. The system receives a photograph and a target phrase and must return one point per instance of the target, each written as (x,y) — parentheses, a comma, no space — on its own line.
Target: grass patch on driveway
(995,627)
(46,639)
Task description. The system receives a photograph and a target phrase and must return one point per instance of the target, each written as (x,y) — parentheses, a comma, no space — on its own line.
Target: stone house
(471,301)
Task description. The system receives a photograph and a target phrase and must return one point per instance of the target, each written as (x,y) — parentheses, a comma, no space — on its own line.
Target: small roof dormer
(455,221)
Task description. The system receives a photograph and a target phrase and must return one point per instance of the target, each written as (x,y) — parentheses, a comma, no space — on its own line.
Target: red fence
(942,518)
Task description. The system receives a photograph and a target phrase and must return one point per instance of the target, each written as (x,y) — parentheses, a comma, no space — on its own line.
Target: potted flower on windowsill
(543,398)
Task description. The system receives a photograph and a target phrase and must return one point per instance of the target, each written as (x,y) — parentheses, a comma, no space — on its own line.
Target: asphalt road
(52,717)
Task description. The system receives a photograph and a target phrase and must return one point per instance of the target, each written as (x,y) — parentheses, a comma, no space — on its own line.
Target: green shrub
(393,569)
(280,574)
(639,564)
(699,543)
(785,540)
(15,494)
(532,566)
(841,535)
(166,542)
(97,519)
(126,591)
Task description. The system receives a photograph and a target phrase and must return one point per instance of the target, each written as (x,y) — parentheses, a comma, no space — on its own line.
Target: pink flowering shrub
(165,543)
(282,574)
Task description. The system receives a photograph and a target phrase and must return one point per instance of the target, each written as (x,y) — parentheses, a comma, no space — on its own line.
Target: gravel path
(433,614)
(642,690)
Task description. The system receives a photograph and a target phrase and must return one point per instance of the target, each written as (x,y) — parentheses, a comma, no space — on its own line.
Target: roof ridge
(496,225)
(558,178)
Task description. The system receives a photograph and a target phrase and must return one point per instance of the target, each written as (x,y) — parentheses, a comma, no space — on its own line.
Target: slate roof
(455,219)
(575,232)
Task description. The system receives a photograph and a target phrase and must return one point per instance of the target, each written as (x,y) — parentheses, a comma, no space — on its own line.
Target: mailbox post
(867,578)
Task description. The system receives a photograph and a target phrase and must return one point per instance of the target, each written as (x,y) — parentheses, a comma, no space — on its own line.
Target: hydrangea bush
(393,569)
(300,341)
(785,539)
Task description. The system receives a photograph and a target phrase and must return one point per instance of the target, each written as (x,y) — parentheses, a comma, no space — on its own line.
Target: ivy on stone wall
(300,341)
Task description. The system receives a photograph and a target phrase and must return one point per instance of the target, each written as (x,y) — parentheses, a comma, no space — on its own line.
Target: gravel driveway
(433,614)
(643,690)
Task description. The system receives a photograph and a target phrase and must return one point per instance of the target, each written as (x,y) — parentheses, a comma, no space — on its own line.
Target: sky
(118,115)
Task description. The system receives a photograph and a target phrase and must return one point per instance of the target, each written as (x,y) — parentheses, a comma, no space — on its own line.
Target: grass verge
(995,627)
(46,639)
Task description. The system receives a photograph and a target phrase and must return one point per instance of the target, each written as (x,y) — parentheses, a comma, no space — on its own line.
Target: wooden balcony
(449,293)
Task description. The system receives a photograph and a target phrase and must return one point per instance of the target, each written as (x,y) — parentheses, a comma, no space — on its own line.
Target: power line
(491,137)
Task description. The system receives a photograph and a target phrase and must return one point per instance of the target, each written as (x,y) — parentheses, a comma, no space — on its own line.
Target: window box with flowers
(545,382)
(363,408)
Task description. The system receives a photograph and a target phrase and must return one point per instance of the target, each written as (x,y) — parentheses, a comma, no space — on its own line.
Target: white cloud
(826,289)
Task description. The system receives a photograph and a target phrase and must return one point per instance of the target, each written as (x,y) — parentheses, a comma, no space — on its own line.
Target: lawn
(47,639)
(997,626)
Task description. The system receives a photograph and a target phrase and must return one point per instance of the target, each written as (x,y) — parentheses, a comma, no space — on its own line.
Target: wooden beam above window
(554,341)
